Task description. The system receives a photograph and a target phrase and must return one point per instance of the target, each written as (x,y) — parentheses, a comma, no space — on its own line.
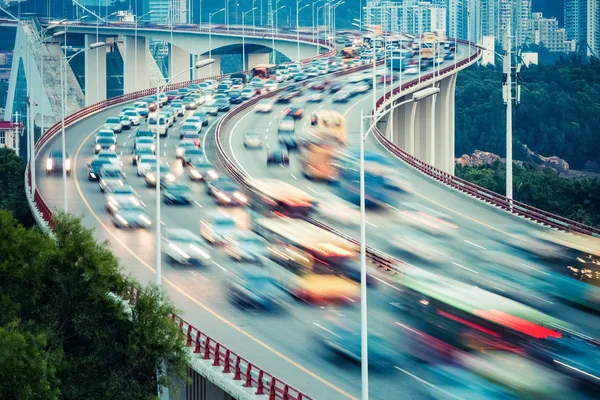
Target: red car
(388,79)
(296,113)
(318,86)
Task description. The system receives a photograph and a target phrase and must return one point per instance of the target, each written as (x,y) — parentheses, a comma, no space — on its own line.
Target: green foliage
(559,114)
(12,186)
(57,299)
(576,199)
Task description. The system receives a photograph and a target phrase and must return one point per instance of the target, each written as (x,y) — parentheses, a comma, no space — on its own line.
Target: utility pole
(511,91)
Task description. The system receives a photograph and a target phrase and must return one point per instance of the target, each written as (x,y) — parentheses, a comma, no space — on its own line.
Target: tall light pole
(313,20)
(64,61)
(244,37)
(253,20)
(135,51)
(210,16)
(198,65)
(200,20)
(298,24)
(317,28)
(274,17)
(334,7)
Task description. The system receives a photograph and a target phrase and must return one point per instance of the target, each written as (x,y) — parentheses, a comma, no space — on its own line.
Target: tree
(12,186)
(68,288)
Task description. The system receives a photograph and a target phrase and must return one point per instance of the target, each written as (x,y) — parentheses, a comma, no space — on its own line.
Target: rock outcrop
(480,158)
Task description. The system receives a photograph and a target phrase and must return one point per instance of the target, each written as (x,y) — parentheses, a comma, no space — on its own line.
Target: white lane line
(217,264)
(325,329)
(372,224)
(128,136)
(266,130)
(165,145)
(162,223)
(349,299)
(270,122)
(124,143)
(475,244)
(164,154)
(535,269)
(198,204)
(293,176)
(463,267)
(431,385)
(311,189)
(121,153)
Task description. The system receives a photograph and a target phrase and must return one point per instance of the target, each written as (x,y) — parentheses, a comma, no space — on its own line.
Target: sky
(550,8)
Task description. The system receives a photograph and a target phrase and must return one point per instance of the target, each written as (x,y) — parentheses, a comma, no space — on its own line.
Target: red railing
(207,347)
(490,197)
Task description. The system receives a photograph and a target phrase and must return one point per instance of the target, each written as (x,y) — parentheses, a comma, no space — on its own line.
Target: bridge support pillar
(95,67)
(255,59)
(446,124)
(180,60)
(135,70)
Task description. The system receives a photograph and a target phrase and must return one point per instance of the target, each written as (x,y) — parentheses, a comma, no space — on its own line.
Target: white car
(141,108)
(271,85)
(184,247)
(111,156)
(264,106)
(281,78)
(216,227)
(145,163)
(412,70)
(111,176)
(114,124)
(248,93)
(315,97)
(252,141)
(133,116)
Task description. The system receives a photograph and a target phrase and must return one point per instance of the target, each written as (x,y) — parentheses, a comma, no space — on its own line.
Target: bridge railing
(253,376)
(488,196)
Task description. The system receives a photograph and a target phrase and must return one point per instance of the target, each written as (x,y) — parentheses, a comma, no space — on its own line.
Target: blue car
(254,288)
(176,193)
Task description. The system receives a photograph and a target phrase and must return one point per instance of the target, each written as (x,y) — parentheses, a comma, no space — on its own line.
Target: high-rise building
(522,23)
(490,17)
(582,23)
(474,20)
(407,16)
(457,12)
(548,33)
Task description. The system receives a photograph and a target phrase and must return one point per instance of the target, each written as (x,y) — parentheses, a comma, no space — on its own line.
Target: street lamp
(64,61)
(298,24)
(274,16)
(253,21)
(363,244)
(244,37)
(135,51)
(210,16)
(334,7)
(198,65)
(313,20)
(318,40)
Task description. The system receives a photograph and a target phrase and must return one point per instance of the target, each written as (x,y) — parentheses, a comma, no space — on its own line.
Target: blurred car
(336,86)
(246,247)
(182,147)
(184,247)
(318,85)
(166,176)
(173,95)
(252,140)
(223,105)
(105,133)
(237,84)
(144,163)
(336,209)
(133,116)
(105,143)
(111,156)
(216,227)
(130,215)
(125,122)
(111,176)
(143,133)
(253,287)
(288,140)
(192,155)
(264,106)
(176,193)
(94,168)
(235,96)
(411,70)
(145,142)
(141,108)
(359,88)
(159,126)
(202,117)
(189,103)
(248,92)
(200,169)
(341,96)
(114,124)
(301,76)
(225,191)
(139,152)
(294,112)
(189,127)
(211,109)
(178,106)
(121,195)
(315,97)
(279,157)
(271,85)
(286,124)
(340,334)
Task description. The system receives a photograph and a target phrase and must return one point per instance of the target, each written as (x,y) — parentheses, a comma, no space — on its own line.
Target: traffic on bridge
(257,177)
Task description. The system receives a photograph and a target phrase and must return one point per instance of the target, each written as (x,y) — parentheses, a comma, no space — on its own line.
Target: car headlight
(153,147)
(145,219)
(121,219)
(170,177)
(195,174)
(92,175)
(98,147)
(223,197)
(178,250)
(113,147)
(179,151)
(68,164)
(200,251)
(212,174)
(150,177)
(49,164)
(240,197)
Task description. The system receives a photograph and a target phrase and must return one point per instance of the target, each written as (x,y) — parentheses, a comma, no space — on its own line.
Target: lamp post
(200,20)
(244,37)
(210,16)
(334,7)
(274,17)
(298,24)
(313,19)
(198,65)
(253,20)
(317,28)
(64,61)
(135,51)
(363,246)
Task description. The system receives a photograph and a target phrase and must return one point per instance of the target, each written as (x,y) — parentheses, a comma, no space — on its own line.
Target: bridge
(283,345)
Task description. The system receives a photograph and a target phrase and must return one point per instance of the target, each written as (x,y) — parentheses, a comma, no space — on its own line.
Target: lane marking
(463,267)
(198,204)
(218,265)
(475,244)
(293,176)
(311,189)
(372,224)
(431,385)
(192,298)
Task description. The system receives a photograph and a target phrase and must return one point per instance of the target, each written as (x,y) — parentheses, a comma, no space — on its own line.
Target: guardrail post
(207,348)
(260,389)
(248,382)
(227,362)
(286,391)
(272,394)
(197,348)
(188,341)
(238,372)
(217,360)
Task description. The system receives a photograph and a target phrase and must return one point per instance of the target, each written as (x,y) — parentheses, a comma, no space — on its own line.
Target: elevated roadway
(282,344)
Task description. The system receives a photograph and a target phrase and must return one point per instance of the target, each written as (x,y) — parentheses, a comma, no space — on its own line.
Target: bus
(274,196)
(330,120)
(316,148)
(310,262)
(399,60)
(264,71)
(349,53)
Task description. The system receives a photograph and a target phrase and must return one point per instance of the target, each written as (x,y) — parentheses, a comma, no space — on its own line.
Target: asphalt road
(282,344)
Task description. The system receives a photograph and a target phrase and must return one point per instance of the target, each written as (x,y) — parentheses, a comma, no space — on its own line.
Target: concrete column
(135,78)
(95,66)
(180,61)
(255,59)
(452,124)
(212,70)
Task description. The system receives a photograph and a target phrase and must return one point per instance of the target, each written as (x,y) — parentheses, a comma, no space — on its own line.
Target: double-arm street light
(313,21)
(363,237)
(274,18)
(244,13)
(298,24)
(135,51)
(210,16)
(159,90)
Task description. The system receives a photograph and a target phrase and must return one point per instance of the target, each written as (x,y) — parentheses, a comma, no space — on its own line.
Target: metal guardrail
(209,348)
